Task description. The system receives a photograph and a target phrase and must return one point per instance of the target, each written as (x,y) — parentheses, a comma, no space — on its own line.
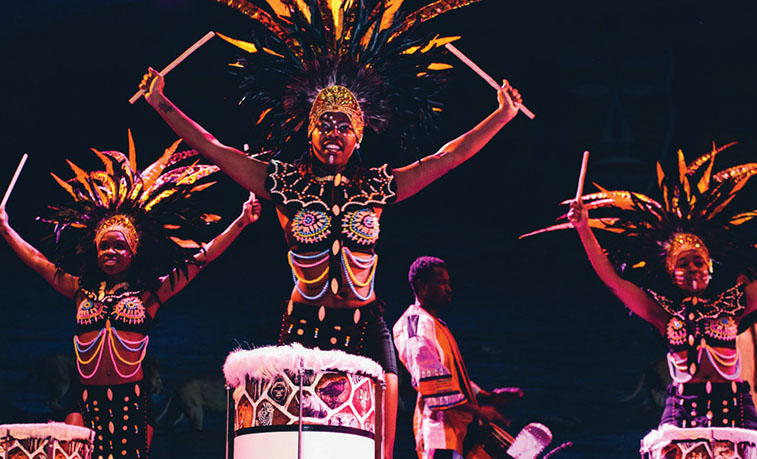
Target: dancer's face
(114,256)
(333,140)
(691,273)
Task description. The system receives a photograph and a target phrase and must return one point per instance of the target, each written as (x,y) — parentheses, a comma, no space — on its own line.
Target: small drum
(337,412)
(45,441)
(493,442)
(671,442)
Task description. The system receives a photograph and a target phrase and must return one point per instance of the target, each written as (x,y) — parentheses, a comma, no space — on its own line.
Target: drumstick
(177,61)
(582,175)
(485,76)
(13,180)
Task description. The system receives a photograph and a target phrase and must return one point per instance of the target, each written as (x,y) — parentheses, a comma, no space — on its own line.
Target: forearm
(32,257)
(416,176)
(220,243)
(598,258)
(248,172)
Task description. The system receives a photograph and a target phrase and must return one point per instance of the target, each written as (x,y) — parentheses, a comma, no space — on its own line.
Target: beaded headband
(684,242)
(123,225)
(341,100)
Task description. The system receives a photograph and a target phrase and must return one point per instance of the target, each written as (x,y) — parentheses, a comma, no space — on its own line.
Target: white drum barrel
(338,409)
(670,442)
(53,440)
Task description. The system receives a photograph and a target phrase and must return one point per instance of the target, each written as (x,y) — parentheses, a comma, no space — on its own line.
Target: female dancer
(130,226)
(680,241)
(328,204)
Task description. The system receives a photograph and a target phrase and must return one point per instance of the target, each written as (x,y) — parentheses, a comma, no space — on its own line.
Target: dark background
(630,81)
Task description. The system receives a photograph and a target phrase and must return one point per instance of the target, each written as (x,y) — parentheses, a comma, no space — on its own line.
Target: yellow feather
(279,8)
(81,176)
(438,66)
(184,243)
(243,45)
(390,9)
(304,9)
(106,162)
(743,217)
(65,185)
(132,153)
(151,174)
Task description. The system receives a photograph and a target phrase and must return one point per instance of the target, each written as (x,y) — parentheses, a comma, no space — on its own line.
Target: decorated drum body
(338,408)
(670,442)
(45,441)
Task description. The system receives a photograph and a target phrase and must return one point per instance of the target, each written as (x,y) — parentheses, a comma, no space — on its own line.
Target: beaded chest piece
(122,306)
(330,217)
(703,326)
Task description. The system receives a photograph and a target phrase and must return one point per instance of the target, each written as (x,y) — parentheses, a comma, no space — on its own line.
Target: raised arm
(33,258)
(635,299)
(248,172)
(416,176)
(213,249)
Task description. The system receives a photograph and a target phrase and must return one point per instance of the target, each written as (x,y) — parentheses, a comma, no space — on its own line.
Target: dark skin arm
(33,258)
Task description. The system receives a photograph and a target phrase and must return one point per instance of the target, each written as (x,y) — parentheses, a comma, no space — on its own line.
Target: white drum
(337,414)
(45,441)
(670,442)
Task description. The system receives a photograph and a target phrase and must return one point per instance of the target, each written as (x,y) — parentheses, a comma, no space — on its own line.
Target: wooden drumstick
(177,61)
(582,175)
(13,180)
(484,75)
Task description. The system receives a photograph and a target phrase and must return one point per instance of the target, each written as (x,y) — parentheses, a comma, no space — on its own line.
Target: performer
(673,248)
(123,228)
(358,70)
(448,401)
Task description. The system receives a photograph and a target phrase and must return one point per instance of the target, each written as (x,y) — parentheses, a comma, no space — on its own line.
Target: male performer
(448,401)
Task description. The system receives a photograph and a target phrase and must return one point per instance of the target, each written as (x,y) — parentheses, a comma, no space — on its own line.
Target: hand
(251,209)
(507,96)
(3,220)
(578,216)
(152,84)
(488,413)
(503,395)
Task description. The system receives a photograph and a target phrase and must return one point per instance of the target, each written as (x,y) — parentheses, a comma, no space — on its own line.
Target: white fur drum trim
(668,433)
(270,361)
(56,430)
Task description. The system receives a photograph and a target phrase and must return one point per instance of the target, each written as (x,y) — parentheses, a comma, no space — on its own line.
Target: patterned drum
(338,403)
(670,442)
(45,441)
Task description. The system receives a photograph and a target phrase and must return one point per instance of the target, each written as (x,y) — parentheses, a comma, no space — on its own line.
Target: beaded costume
(695,216)
(156,212)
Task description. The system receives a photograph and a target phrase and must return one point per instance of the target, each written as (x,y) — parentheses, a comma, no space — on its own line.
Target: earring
(357,146)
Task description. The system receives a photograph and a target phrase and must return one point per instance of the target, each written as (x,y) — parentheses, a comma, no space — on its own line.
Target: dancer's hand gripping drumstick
(13,180)
(451,48)
(577,214)
(177,61)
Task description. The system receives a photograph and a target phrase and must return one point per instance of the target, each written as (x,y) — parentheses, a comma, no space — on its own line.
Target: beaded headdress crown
(337,99)
(695,214)
(123,225)
(681,243)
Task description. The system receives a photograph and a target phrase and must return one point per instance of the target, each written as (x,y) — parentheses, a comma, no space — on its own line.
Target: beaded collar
(288,184)
(730,302)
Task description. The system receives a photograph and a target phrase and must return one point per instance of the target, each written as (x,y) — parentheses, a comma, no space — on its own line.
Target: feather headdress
(367,46)
(694,214)
(154,209)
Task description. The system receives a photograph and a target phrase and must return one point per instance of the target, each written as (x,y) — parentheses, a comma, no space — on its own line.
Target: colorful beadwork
(130,310)
(676,331)
(361,226)
(89,311)
(724,328)
(311,226)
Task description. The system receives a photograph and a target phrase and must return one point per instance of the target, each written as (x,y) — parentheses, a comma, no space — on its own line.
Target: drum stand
(301,374)
(230,415)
